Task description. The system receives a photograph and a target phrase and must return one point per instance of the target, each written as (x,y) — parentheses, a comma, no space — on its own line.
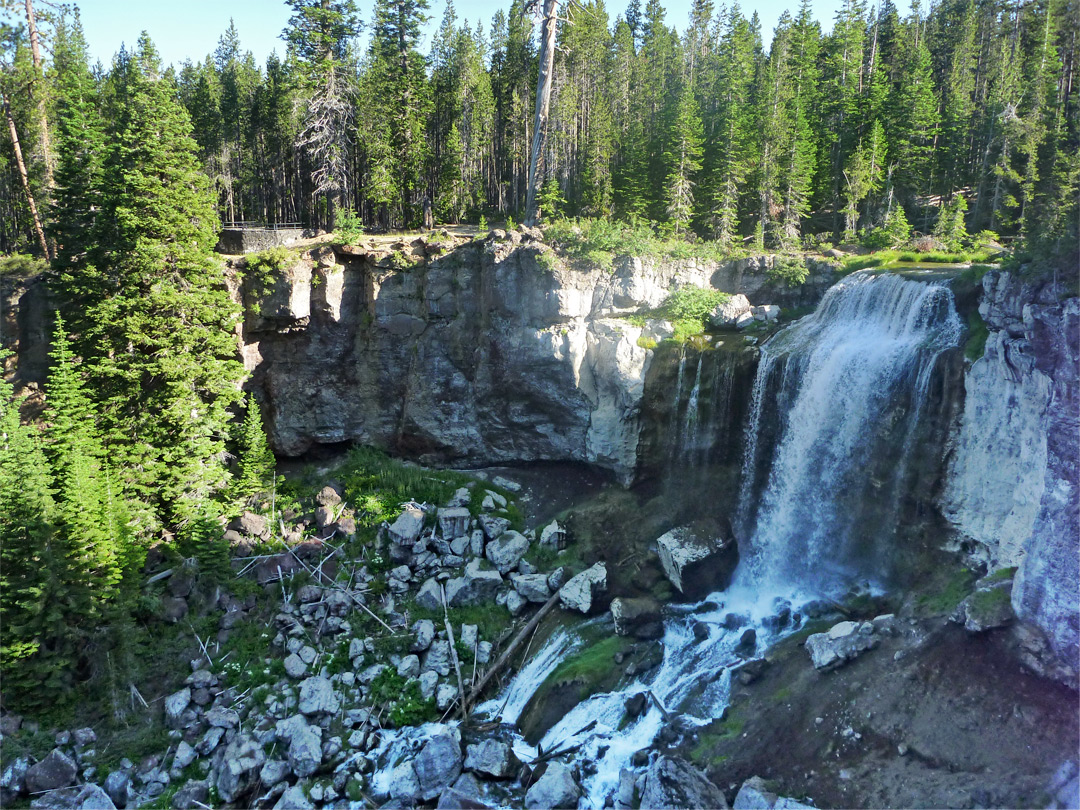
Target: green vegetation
(988,602)
(688,308)
(977,336)
(407,707)
(790,270)
(349,227)
(599,242)
(945,590)
(1001,575)
(21,264)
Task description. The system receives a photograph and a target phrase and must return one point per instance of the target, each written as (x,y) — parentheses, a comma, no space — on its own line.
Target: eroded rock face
(486,354)
(1013,482)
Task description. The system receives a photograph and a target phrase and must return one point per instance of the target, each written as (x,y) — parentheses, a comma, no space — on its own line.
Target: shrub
(21,264)
(950,229)
(790,270)
(349,226)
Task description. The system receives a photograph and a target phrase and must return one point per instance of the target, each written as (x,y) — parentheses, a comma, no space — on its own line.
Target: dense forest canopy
(890,116)
(961,118)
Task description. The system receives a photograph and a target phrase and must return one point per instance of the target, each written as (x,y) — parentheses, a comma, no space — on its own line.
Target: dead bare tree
(543,106)
(39,94)
(14,132)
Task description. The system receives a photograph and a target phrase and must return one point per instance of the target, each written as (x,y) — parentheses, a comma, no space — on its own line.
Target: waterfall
(835,406)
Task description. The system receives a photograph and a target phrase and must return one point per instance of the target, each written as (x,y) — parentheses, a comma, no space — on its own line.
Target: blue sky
(189,29)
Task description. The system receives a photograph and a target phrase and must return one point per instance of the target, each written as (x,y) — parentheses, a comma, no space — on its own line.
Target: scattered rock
(506,551)
(305,749)
(493,526)
(637,617)
(408,525)
(13,779)
(556,788)
(294,798)
(453,522)
(475,587)
(842,643)
(175,705)
(553,536)
(429,597)
(493,758)
(317,697)
(240,765)
(295,666)
(57,770)
(987,608)
(533,587)
(194,793)
(423,634)
(438,764)
(726,315)
(675,783)
(697,565)
(579,592)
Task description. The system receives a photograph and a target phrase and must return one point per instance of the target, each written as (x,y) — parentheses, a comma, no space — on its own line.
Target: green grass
(593,663)
(688,308)
(1000,575)
(945,592)
(885,258)
(598,242)
(989,601)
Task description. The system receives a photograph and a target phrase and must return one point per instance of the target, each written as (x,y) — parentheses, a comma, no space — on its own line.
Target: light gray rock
(92,797)
(453,522)
(57,770)
(493,526)
(317,696)
(753,795)
(469,635)
(515,603)
(117,785)
(402,784)
(578,594)
(553,536)
(557,788)
(305,750)
(492,758)
(638,617)
(175,705)
(84,736)
(437,658)
(726,315)
(556,579)
(423,634)
(274,771)
(445,695)
(483,652)
(222,717)
(506,551)
(988,608)
(295,666)
(476,586)
(408,525)
(438,764)
(842,643)
(429,596)
(240,766)
(184,755)
(294,798)
(13,778)
(409,666)
(209,741)
(696,564)
(428,682)
(194,793)
(476,543)
(462,497)
(674,783)
(532,587)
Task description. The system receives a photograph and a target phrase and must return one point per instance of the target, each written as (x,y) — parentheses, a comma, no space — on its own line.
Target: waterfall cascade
(834,418)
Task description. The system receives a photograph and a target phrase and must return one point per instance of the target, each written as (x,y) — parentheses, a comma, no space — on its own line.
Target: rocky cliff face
(494,352)
(1013,486)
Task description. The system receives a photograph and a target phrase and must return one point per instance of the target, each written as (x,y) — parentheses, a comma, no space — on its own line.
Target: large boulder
(675,783)
(532,587)
(57,770)
(697,564)
(453,522)
(578,594)
(408,525)
(475,587)
(727,314)
(305,750)
(240,766)
(506,551)
(317,697)
(755,795)
(842,643)
(492,758)
(438,764)
(640,617)
(557,788)
(989,607)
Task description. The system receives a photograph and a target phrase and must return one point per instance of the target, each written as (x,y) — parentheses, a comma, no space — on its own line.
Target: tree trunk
(25,178)
(543,103)
(39,74)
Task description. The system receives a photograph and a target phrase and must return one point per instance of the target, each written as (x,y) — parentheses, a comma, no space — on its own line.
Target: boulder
(409,666)
(294,798)
(493,526)
(453,522)
(506,551)
(328,496)
(317,697)
(553,536)
(423,632)
(445,695)
(274,771)
(194,793)
(557,788)
(640,618)
(429,597)
(251,525)
(295,666)
(515,603)
(754,795)
(475,587)
(727,314)
(579,592)
(987,608)
(532,587)
(437,658)
(13,779)
(744,320)
(57,770)
(305,749)
(842,643)
(222,717)
(697,565)
(674,783)
(1064,787)
(175,706)
(240,766)
(408,525)
(492,758)
(403,784)
(438,764)
(118,785)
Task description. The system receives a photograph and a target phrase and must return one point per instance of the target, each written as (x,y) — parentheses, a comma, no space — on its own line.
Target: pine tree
(256,461)
(157,324)
(683,157)
(863,175)
(950,228)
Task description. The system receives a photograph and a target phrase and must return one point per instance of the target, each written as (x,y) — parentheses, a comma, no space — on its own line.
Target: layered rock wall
(494,352)
(1012,483)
